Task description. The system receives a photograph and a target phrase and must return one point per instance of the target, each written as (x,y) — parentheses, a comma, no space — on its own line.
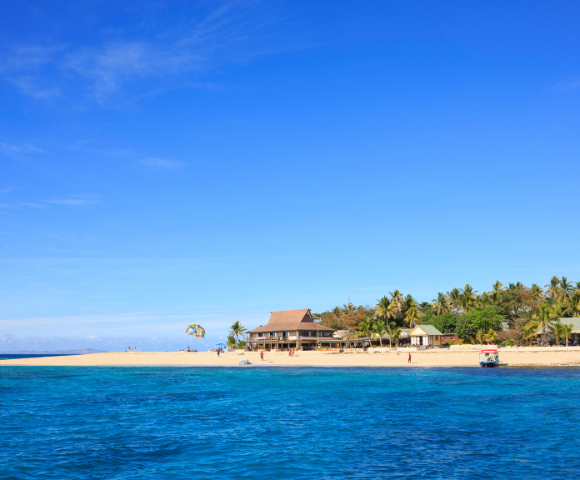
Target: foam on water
(270,423)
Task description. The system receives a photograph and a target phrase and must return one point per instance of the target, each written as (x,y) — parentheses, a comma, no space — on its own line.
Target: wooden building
(425,335)
(292,329)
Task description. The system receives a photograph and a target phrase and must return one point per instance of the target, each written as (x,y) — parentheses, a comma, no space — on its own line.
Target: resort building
(297,329)
(291,329)
(425,335)
(449,337)
(549,337)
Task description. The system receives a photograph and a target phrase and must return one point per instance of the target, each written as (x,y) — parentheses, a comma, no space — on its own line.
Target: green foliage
(241,344)
(482,319)
(464,311)
(237,329)
(486,318)
(394,332)
(446,323)
(231,342)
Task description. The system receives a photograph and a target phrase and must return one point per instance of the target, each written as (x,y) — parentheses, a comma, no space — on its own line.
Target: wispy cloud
(29,87)
(571,85)
(20,149)
(74,200)
(233,32)
(6,190)
(161,163)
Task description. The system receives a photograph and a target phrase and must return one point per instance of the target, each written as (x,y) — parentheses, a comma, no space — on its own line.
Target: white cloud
(161,163)
(20,149)
(234,32)
(74,200)
(29,87)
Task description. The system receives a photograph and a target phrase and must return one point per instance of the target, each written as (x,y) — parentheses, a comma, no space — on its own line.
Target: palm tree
(542,319)
(366,328)
(566,288)
(553,289)
(394,332)
(537,292)
(348,308)
(396,298)
(385,308)
(380,328)
(424,307)
(572,305)
(407,303)
(491,336)
(480,337)
(567,331)
(236,330)
(412,315)
(454,298)
(441,304)
(497,287)
(467,297)
(483,300)
(558,331)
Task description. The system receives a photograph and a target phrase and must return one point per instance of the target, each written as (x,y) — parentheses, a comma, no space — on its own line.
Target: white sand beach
(431,358)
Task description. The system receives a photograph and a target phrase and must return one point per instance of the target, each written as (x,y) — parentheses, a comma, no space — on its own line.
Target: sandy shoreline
(433,358)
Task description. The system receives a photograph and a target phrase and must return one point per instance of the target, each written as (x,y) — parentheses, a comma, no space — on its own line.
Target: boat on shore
(488,358)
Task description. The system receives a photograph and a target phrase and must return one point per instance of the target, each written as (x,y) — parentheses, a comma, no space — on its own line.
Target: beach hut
(574,321)
(425,336)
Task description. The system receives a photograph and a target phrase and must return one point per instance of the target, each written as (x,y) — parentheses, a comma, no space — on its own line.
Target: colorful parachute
(196,330)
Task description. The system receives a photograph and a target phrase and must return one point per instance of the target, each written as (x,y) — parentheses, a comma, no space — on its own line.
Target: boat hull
(488,364)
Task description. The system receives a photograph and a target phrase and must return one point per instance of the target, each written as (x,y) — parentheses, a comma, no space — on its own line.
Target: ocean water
(276,423)
(12,356)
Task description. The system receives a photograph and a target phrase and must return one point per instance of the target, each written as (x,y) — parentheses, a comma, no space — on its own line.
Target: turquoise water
(274,423)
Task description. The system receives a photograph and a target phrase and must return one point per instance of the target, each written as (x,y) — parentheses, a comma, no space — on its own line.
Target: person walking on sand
(262,355)
(409,358)
(218,352)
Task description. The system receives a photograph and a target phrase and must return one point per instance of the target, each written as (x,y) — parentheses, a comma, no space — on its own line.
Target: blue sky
(163,163)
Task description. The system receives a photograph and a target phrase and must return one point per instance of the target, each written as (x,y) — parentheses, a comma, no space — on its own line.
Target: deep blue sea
(12,356)
(275,423)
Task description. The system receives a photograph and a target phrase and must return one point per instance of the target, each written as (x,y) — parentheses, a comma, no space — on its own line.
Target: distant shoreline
(430,358)
(78,351)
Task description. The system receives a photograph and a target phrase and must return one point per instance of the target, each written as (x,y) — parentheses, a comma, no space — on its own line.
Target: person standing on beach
(262,355)
(218,352)
(409,358)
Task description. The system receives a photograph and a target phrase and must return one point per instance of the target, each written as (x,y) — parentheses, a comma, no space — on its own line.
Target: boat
(488,358)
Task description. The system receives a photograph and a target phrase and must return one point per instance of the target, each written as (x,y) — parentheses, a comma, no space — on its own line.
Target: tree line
(473,316)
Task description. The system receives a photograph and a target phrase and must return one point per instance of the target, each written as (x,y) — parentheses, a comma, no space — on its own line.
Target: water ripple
(155,422)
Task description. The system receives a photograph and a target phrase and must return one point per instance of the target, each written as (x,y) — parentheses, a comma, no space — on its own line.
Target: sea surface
(12,356)
(288,423)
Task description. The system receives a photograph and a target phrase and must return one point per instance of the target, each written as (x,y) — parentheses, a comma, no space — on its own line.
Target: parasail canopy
(195,330)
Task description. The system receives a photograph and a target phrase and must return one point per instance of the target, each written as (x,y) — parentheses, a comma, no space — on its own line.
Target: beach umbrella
(195,330)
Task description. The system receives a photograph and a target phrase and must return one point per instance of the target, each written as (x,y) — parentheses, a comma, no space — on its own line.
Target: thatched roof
(287,320)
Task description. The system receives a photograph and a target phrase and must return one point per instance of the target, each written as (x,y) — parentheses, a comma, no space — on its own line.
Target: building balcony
(291,338)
